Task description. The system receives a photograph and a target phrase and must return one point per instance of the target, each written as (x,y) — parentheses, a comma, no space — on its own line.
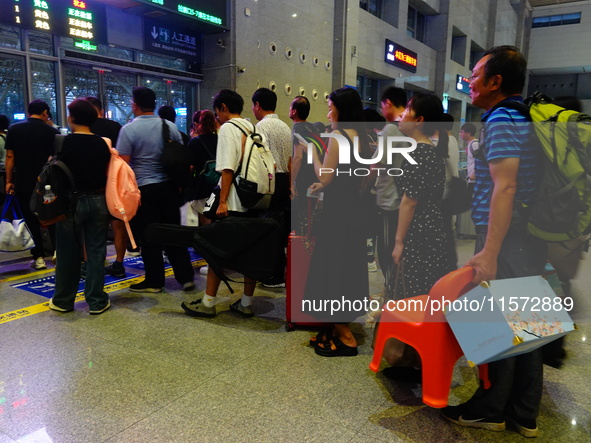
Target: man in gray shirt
(140,144)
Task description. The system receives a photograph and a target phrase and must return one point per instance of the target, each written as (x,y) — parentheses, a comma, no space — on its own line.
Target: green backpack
(563,208)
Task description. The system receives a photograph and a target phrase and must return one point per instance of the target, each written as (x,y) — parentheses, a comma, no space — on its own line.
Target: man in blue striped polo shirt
(507,180)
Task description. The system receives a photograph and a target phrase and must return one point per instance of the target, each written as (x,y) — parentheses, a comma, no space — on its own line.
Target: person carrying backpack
(228,106)
(87,156)
(110,129)
(506,174)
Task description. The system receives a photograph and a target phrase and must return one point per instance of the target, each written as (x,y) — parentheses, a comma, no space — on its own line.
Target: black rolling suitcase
(464,224)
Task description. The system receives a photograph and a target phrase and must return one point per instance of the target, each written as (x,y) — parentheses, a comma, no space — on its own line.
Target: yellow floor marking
(31,274)
(42,307)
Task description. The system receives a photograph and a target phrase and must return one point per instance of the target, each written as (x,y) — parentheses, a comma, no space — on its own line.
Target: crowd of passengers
(404,214)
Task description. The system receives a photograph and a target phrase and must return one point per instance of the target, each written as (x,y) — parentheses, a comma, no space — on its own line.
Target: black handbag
(212,204)
(457,197)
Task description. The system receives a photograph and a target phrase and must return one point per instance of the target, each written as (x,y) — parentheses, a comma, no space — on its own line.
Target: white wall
(310,33)
(566,46)
(506,26)
(329,30)
(471,17)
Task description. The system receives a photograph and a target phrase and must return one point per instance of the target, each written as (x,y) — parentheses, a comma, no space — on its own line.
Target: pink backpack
(122,192)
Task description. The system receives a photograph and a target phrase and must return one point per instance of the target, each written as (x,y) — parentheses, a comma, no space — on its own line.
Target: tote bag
(508,317)
(14,232)
(397,353)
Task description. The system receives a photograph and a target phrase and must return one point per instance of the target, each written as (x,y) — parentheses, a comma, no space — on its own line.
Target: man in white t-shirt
(278,136)
(392,105)
(227,106)
(467,133)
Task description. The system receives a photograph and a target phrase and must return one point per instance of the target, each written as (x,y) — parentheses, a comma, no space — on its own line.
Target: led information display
(82,20)
(400,56)
(208,11)
(463,84)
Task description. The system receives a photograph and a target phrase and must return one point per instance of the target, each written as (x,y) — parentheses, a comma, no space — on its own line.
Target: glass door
(12,90)
(182,98)
(43,85)
(80,82)
(117,101)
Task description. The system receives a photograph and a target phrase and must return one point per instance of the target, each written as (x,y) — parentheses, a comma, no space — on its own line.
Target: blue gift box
(508,317)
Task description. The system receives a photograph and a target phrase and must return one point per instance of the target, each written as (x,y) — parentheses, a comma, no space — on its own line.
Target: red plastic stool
(430,334)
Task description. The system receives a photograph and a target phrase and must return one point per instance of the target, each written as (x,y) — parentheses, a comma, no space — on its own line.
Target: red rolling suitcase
(299,253)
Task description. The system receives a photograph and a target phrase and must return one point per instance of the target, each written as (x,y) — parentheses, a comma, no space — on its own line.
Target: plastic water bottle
(48,195)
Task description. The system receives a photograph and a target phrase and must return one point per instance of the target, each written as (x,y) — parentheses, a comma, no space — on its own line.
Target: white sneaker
(57,308)
(203,270)
(134,252)
(372,267)
(38,263)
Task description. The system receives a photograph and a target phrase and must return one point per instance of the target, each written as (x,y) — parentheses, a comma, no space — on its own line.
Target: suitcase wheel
(289,327)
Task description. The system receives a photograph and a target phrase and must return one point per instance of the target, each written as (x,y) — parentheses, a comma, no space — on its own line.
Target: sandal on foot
(342,350)
(324,335)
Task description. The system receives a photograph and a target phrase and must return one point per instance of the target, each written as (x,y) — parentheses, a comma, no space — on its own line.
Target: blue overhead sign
(463,84)
(171,40)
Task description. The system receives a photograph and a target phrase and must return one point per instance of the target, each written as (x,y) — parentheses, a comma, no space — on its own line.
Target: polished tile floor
(146,372)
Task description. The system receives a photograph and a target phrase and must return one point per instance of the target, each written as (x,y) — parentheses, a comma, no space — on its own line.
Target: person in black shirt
(110,129)
(103,126)
(168,113)
(87,155)
(202,148)
(29,145)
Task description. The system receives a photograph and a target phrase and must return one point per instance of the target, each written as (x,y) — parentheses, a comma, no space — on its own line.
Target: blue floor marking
(45,286)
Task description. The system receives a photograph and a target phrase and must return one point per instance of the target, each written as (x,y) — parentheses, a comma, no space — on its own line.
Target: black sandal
(342,350)
(324,335)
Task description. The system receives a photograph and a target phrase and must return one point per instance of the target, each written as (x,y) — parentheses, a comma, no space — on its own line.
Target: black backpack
(175,159)
(56,174)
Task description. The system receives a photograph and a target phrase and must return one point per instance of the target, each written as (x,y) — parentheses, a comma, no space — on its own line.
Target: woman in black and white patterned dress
(420,237)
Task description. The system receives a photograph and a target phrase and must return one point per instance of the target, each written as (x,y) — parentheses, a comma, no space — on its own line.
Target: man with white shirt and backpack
(228,106)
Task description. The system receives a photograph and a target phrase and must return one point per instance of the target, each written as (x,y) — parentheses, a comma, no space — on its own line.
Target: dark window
(476,54)
(570,19)
(458,49)
(369,90)
(416,24)
(372,6)
(556,20)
